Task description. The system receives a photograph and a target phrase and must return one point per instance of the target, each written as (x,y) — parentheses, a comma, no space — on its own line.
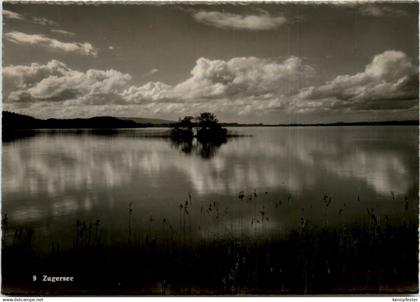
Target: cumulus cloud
(151,91)
(36,20)
(242,86)
(251,22)
(150,73)
(62,32)
(44,21)
(381,11)
(11,15)
(55,81)
(390,81)
(83,48)
(245,78)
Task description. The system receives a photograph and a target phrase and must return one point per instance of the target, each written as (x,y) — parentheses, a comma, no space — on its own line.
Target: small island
(202,135)
(205,127)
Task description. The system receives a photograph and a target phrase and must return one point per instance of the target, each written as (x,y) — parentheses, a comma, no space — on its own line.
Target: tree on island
(205,128)
(208,128)
(183,130)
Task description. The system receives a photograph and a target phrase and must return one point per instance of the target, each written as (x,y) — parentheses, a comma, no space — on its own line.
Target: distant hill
(153,121)
(19,121)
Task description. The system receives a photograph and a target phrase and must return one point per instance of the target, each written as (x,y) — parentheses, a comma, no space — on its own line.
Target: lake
(312,206)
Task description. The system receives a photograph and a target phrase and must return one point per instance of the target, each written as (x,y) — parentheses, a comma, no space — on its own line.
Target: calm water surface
(250,187)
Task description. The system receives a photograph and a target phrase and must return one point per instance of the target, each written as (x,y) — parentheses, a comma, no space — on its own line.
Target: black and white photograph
(210,148)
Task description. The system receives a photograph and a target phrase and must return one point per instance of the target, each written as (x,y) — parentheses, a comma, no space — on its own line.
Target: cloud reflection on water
(293,160)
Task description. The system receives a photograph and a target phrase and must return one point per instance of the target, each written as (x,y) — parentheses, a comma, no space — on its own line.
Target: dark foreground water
(305,210)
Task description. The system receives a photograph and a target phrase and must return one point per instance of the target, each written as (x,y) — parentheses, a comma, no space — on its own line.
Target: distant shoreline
(141,126)
(380,123)
(14,121)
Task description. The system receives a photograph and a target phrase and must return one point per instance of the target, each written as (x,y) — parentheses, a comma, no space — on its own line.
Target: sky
(249,63)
